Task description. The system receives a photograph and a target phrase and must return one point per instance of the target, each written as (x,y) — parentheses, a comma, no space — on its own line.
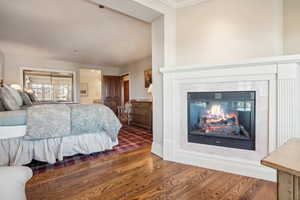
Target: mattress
(8,132)
(13,118)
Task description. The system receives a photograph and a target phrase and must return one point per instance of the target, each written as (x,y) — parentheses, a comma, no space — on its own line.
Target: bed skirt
(17,151)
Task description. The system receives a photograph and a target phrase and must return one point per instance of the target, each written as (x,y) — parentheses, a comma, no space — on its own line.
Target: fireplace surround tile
(261,141)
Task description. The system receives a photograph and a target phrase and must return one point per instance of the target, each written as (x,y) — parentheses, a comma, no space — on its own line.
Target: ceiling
(182,3)
(76,31)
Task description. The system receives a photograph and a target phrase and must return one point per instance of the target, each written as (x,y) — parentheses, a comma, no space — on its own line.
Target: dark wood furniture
(141,114)
(286,161)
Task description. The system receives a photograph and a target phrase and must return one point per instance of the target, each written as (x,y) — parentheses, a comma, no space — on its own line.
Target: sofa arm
(12,182)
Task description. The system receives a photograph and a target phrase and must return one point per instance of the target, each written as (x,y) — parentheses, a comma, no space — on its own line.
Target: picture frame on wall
(148,77)
(84,89)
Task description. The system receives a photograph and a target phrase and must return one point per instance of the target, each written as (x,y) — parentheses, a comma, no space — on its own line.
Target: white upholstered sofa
(12,182)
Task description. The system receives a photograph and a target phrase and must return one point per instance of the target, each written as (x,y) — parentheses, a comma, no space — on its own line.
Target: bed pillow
(32,97)
(8,99)
(16,95)
(26,99)
(2,108)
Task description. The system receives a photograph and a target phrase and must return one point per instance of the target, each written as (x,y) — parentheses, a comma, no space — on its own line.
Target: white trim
(157,149)
(273,144)
(130,82)
(243,63)
(52,70)
(235,166)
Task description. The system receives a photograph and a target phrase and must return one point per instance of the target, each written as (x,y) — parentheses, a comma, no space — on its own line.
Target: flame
(216,120)
(216,109)
(215,114)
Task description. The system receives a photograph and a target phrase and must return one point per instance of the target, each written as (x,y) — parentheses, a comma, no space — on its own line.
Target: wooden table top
(286,158)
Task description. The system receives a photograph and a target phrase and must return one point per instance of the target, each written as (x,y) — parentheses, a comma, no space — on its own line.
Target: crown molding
(170,3)
(182,4)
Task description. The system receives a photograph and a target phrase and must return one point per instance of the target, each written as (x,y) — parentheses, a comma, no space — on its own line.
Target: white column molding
(168,114)
(286,125)
(286,106)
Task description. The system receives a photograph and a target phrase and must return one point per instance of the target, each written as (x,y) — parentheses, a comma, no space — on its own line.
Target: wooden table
(286,160)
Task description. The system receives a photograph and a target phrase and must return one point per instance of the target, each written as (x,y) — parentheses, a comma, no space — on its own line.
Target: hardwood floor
(142,175)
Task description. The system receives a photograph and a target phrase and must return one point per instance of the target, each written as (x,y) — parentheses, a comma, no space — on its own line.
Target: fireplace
(222,118)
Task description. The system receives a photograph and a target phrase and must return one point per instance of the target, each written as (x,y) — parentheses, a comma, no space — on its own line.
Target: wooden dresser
(285,160)
(141,114)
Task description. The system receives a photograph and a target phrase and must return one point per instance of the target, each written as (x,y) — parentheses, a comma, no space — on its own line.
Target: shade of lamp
(30,91)
(16,86)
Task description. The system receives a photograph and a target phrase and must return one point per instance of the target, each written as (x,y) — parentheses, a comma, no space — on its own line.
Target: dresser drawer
(141,114)
(140,111)
(142,106)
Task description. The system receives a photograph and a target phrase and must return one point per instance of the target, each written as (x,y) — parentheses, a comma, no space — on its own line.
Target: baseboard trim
(157,149)
(246,168)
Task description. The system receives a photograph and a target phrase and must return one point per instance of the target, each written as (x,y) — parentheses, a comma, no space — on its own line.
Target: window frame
(74,84)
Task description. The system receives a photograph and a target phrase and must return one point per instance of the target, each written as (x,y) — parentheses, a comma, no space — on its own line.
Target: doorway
(163,20)
(111,92)
(125,88)
(90,86)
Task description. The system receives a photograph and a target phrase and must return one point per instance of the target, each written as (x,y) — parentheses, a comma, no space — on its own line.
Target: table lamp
(2,61)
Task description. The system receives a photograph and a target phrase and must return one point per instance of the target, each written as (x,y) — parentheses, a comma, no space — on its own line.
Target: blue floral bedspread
(61,120)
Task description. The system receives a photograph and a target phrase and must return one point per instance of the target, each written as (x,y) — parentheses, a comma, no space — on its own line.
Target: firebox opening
(222,118)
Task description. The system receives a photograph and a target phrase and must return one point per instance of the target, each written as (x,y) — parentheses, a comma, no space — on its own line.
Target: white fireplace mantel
(250,62)
(281,78)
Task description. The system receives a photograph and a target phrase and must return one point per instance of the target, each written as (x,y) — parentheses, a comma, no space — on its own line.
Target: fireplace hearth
(222,118)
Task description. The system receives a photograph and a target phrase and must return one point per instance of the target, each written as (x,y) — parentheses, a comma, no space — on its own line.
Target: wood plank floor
(142,175)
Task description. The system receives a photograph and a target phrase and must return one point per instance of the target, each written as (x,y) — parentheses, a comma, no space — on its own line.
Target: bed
(48,133)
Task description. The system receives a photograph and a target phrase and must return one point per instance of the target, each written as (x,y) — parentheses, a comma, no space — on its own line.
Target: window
(49,86)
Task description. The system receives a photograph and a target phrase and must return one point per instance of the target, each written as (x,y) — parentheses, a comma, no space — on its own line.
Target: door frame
(122,92)
(163,55)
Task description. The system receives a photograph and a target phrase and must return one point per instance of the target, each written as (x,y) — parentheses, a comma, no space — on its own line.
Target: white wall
(219,31)
(291,27)
(136,70)
(14,63)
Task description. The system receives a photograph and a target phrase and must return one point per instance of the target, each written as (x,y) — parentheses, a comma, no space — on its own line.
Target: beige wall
(291,27)
(219,31)
(14,64)
(136,70)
